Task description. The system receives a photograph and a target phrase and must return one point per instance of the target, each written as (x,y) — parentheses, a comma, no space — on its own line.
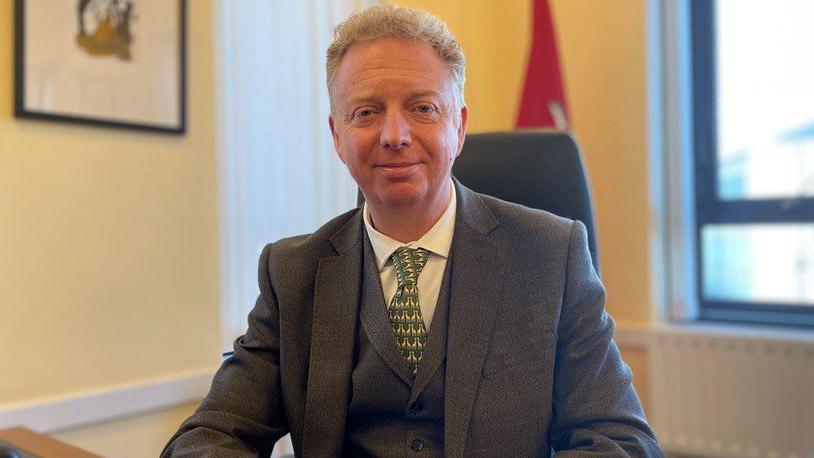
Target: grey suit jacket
(530,361)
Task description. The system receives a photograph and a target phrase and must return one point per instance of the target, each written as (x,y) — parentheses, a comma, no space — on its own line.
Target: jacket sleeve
(243,413)
(596,411)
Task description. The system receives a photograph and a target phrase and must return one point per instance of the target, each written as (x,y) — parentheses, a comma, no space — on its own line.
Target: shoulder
(303,251)
(535,240)
(540,241)
(529,224)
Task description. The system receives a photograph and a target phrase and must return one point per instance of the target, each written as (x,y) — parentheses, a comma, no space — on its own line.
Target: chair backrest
(538,169)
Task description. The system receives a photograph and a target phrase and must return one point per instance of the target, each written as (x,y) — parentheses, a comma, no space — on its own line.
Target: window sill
(642,334)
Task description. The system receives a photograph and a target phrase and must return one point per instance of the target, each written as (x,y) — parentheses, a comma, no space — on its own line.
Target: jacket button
(416,408)
(417,445)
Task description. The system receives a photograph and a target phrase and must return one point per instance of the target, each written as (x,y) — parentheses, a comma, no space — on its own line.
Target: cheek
(354,148)
(448,143)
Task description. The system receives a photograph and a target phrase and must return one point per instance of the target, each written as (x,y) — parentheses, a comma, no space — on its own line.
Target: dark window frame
(709,208)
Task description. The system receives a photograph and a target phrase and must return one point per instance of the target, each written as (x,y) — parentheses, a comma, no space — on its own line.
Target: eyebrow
(374,98)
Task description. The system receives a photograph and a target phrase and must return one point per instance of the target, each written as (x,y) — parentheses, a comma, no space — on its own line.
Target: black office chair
(538,169)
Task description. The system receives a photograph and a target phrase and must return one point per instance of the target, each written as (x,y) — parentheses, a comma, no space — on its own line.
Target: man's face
(394,123)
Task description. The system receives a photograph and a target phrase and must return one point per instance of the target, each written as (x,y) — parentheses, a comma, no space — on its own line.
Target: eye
(363,115)
(425,108)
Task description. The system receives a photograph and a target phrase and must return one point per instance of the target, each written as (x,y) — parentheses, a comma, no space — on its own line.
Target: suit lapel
(476,292)
(435,349)
(333,336)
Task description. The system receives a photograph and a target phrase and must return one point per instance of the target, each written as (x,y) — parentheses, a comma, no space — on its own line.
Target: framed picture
(117,63)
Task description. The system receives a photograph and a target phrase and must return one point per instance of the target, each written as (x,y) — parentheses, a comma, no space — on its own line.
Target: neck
(410,222)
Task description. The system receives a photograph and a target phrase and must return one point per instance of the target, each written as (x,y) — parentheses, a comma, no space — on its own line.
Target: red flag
(543,103)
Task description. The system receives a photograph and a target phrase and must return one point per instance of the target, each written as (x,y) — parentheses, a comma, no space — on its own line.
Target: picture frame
(111,63)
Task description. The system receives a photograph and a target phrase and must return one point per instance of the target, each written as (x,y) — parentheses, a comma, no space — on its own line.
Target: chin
(401,194)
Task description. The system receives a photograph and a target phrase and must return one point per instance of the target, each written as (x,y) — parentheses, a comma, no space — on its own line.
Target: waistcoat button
(417,445)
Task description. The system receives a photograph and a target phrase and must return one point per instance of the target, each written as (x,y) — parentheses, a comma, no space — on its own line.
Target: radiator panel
(727,395)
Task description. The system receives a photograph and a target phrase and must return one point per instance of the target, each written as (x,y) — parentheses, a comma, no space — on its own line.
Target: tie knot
(408,263)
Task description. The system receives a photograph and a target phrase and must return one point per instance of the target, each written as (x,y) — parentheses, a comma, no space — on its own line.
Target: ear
(335,136)
(462,129)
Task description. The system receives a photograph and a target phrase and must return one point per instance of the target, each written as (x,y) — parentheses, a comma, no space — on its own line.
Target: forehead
(391,66)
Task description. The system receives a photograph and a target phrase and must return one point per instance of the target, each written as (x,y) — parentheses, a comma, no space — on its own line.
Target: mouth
(395,165)
(398,169)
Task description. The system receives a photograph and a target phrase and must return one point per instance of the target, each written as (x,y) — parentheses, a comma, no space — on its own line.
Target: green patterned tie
(405,314)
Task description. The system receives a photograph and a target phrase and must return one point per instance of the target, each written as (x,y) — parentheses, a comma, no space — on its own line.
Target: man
(432,321)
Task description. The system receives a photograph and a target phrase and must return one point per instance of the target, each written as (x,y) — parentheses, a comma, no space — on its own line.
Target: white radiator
(720,394)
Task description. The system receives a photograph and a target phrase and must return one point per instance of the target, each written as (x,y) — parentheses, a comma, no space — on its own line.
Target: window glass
(769,263)
(765,98)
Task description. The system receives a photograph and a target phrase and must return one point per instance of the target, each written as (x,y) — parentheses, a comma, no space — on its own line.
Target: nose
(395,133)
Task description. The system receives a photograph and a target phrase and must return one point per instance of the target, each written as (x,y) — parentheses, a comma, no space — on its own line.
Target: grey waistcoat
(392,413)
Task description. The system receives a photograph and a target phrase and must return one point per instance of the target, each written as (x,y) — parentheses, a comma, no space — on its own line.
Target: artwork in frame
(117,63)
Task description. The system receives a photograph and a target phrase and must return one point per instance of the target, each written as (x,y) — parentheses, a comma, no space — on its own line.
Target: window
(753,104)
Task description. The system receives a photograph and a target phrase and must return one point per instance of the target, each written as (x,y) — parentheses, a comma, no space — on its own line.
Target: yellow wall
(134,437)
(108,242)
(602,50)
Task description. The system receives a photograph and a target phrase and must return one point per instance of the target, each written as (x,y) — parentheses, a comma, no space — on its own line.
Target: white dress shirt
(436,241)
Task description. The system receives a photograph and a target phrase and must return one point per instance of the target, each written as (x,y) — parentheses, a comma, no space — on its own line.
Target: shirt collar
(437,240)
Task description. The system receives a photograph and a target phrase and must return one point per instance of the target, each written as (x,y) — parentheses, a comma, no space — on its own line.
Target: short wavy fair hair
(392,21)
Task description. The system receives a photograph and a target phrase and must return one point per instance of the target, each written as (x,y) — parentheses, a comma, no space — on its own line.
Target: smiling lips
(396,170)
